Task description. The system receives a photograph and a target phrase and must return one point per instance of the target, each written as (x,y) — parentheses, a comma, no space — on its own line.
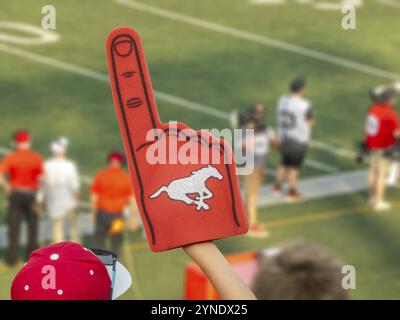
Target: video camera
(392,153)
(381,94)
(362,152)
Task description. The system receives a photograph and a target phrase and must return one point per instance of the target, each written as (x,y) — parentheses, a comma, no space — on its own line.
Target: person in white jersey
(60,189)
(295,122)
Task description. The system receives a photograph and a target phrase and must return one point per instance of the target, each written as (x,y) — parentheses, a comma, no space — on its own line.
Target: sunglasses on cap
(109,259)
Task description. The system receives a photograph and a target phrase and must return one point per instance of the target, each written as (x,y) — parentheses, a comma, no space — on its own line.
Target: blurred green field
(222,72)
(199,65)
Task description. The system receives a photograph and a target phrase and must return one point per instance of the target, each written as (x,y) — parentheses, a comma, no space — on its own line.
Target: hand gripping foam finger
(181,202)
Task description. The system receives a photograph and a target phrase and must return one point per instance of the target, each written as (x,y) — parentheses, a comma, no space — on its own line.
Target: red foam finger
(131,84)
(180,202)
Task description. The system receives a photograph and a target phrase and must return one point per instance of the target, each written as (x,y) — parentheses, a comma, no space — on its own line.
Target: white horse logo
(196,183)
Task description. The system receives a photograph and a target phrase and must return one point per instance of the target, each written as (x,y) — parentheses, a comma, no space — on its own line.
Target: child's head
(300,270)
(69,271)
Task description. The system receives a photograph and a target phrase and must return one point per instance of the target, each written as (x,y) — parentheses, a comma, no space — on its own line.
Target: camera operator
(382,129)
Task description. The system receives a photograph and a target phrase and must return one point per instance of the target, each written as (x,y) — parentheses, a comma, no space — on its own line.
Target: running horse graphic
(196,183)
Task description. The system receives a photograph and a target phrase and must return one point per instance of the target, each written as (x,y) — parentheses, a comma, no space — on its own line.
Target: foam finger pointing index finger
(131,85)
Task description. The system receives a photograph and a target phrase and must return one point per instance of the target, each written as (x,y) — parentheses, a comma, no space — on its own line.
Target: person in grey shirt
(295,121)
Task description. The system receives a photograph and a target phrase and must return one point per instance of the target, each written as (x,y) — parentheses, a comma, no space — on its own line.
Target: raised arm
(225,280)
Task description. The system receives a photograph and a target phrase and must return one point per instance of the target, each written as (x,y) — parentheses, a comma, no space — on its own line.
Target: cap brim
(123,281)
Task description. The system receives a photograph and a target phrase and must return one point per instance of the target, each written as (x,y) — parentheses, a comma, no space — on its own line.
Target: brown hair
(300,270)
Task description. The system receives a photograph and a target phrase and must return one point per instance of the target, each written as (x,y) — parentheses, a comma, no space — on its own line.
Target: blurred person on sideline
(259,145)
(20,172)
(295,122)
(300,270)
(60,190)
(111,192)
(382,130)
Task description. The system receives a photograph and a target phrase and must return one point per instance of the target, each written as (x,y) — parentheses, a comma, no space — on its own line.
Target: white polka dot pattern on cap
(60,292)
(26,288)
(54,256)
(91,272)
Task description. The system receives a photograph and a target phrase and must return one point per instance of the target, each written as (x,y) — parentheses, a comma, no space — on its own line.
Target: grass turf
(226,73)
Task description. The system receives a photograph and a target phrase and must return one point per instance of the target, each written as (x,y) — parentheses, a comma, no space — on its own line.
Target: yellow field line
(328,215)
(277,223)
(137,245)
(3,268)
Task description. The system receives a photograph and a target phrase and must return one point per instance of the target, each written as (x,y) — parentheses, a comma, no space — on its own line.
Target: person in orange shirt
(111,193)
(20,172)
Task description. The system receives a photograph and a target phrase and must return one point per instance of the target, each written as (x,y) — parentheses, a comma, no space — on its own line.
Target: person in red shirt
(111,193)
(20,172)
(382,129)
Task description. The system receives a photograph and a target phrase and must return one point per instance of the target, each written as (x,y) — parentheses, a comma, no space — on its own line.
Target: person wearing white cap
(60,189)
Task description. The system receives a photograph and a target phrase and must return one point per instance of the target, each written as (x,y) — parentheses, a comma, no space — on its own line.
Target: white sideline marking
(263,2)
(54,63)
(321,187)
(38,35)
(270,42)
(311,188)
(192,105)
(332,149)
(104,78)
(320,166)
(160,95)
(390,3)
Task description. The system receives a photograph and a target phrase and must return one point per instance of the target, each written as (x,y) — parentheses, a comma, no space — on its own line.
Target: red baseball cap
(67,271)
(115,155)
(22,136)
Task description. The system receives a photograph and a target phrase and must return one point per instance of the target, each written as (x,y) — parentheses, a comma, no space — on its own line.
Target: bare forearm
(225,280)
